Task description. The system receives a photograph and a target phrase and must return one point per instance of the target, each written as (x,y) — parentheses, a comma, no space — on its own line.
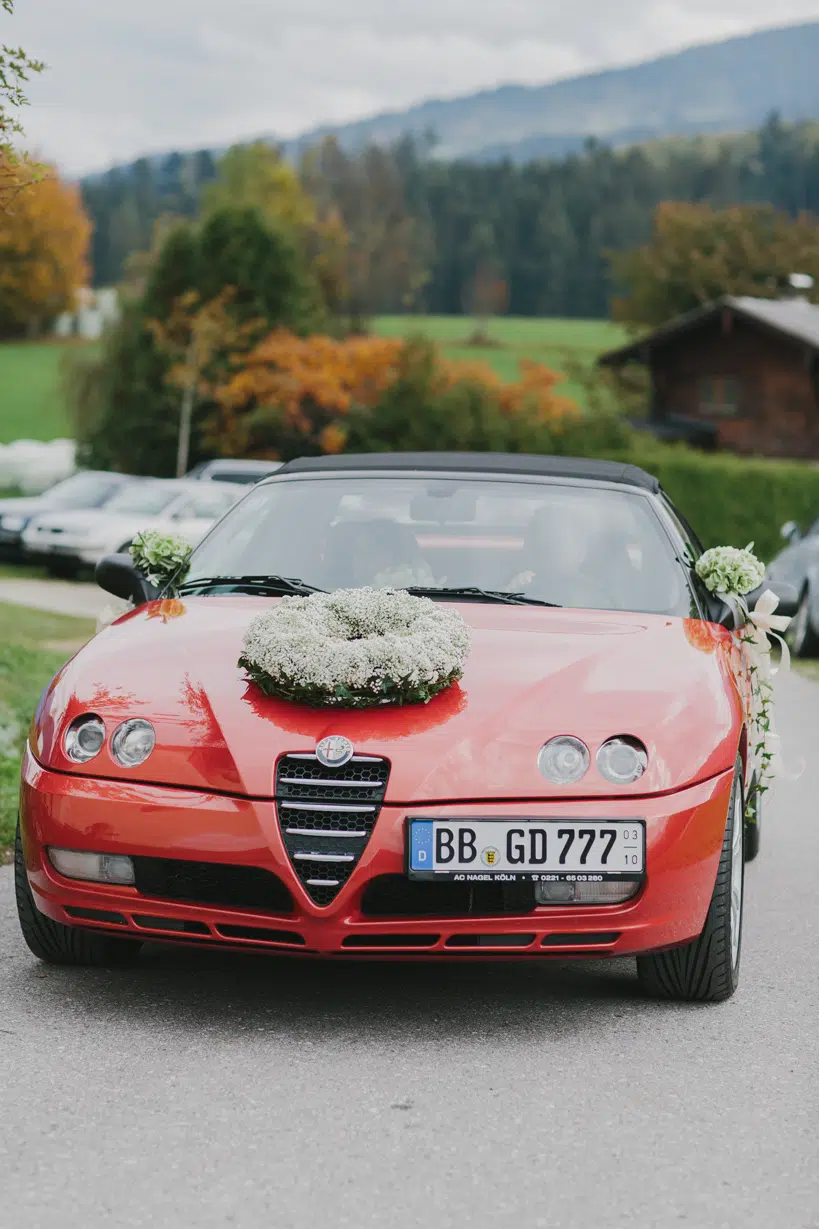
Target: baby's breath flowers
(356,648)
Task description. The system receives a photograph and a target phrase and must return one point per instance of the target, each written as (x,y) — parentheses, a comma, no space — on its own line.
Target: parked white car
(69,540)
(89,489)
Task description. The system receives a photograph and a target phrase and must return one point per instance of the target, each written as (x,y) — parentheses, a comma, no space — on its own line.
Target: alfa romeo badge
(335,751)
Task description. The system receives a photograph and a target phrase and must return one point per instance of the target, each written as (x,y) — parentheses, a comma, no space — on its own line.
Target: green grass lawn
(32,404)
(33,646)
(560,344)
(31,401)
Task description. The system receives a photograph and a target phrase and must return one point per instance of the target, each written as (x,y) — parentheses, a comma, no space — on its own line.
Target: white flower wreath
(356,648)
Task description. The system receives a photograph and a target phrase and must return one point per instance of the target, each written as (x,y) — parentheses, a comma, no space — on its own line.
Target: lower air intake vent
(327,816)
(212,883)
(395,896)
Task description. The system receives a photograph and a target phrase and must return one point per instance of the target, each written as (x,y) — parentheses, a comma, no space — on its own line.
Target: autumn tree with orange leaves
(291,394)
(295,396)
(44,237)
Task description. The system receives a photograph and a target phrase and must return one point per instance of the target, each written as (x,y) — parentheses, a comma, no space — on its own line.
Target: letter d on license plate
(526,848)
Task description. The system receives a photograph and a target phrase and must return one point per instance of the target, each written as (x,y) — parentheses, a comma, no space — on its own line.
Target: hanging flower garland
(356,648)
(731,574)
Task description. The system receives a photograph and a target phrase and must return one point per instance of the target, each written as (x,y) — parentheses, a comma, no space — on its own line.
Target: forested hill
(545,227)
(729,86)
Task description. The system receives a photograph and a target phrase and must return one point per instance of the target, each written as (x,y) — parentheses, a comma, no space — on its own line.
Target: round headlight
(564,760)
(622,760)
(84,738)
(133,742)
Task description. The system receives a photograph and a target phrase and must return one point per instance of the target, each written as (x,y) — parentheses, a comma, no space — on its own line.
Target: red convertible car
(579,793)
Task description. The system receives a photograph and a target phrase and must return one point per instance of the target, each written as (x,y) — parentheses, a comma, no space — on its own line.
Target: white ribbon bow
(763,623)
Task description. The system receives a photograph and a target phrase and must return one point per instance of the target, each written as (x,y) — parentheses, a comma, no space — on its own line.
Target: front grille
(396,896)
(212,883)
(327,816)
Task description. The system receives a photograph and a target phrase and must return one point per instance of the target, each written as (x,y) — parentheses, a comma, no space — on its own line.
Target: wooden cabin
(741,374)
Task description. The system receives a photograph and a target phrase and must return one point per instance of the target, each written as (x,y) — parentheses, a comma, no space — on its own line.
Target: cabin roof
(795,318)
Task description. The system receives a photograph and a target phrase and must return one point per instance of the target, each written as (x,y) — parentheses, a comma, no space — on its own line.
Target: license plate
(529,849)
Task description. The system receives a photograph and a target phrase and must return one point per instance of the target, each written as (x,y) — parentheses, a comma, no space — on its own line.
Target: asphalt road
(204,1091)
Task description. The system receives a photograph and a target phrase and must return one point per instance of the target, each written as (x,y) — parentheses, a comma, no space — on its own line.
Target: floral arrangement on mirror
(731,575)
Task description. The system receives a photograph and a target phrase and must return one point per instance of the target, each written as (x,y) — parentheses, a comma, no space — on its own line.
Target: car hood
(532,674)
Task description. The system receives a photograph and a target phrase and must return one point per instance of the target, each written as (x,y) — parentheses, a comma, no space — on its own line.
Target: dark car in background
(245,473)
(798,565)
(81,492)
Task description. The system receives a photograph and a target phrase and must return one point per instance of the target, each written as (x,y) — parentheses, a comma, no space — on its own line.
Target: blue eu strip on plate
(421,846)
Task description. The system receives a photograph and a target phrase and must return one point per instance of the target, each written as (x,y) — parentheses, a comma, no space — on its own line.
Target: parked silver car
(83,491)
(77,539)
(798,565)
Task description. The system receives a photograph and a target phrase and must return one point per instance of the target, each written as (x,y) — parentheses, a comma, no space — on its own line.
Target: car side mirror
(117,574)
(791,532)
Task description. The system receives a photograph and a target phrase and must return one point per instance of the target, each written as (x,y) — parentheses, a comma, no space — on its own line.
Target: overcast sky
(128,78)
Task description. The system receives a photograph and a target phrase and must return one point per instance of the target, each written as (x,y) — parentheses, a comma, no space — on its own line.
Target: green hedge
(732,500)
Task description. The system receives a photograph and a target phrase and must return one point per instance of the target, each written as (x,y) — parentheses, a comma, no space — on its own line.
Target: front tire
(803,637)
(57,944)
(707,970)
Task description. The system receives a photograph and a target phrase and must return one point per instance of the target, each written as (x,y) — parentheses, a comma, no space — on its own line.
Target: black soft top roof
(478,462)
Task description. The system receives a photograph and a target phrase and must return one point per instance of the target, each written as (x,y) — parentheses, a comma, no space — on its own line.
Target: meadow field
(564,345)
(32,404)
(31,399)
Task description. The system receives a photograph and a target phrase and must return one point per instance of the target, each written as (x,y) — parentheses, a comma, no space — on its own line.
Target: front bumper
(684,837)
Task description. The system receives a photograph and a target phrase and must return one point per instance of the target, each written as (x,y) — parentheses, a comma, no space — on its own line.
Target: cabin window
(719,396)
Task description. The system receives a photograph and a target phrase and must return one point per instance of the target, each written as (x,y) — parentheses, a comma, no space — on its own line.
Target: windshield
(143,499)
(579,546)
(82,491)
